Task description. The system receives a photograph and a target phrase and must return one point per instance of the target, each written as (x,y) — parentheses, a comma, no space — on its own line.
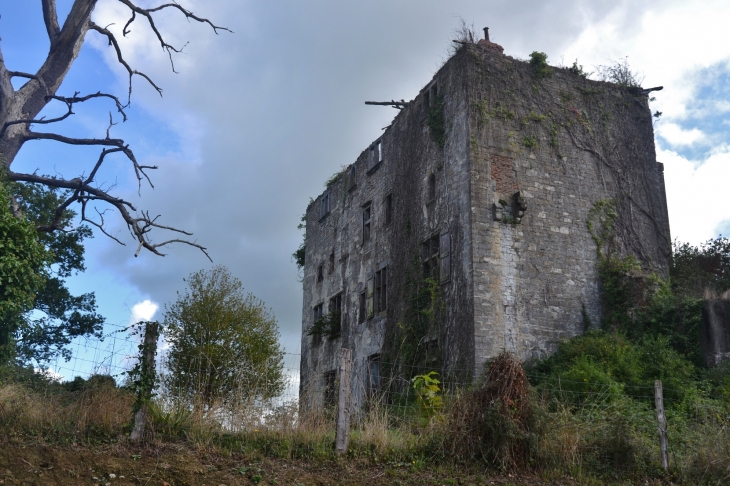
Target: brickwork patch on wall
(503,174)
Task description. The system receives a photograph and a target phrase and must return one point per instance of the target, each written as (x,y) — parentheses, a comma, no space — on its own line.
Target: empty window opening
(430,95)
(330,388)
(431,187)
(332,263)
(324,208)
(317,314)
(376,156)
(335,316)
(430,257)
(366,213)
(362,311)
(388,209)
(320,272)
(374,378)
(381,289)
(352,182)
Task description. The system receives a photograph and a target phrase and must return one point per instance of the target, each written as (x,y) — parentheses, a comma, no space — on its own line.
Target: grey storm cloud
(265,115)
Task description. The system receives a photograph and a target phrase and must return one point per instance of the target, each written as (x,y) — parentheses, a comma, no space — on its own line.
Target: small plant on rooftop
(620,73)
(540,68)
(577,69)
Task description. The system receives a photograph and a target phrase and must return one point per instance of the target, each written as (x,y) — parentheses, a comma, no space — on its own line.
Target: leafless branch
(147,12)
(20,74)
(80,99)
(139,170)
(83,192)
(113,42)
(41,121)
(69,101)
(100,224)
(50,18)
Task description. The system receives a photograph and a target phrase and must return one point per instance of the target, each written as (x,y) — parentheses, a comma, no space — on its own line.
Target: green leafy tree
(698,268)
(58,316)
(224,343)
(23,260)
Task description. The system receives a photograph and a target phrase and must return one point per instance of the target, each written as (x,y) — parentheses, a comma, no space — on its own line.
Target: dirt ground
(178,465)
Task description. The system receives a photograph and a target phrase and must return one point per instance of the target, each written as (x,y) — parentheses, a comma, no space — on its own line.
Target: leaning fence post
(146,378)
(662,422)
(342,438)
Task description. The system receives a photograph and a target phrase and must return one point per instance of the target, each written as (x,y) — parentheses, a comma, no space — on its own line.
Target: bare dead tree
(20,109)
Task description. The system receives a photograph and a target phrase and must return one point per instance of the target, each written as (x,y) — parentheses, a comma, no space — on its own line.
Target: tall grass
(55,413)
(515,427)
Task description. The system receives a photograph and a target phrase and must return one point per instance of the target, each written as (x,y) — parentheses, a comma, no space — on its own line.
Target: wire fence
(117,351)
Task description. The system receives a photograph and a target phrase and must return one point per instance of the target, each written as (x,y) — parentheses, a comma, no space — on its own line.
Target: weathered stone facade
(485,183)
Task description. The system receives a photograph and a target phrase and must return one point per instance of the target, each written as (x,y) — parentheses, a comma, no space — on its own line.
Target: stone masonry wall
(411,161)
(565,143)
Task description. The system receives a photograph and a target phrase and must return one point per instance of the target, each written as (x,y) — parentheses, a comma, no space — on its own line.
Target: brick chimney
(488,45)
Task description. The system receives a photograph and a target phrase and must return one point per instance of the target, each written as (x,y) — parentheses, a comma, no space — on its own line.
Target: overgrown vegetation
(577,69)
(329,325)
(619,72)
(539,65)
(408,349)
(300,253)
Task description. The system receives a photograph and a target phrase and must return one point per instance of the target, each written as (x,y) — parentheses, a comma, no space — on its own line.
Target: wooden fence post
(342,438)
(146,378)
(661,422)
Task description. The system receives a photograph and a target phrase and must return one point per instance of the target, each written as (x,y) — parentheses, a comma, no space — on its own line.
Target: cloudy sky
(255,121)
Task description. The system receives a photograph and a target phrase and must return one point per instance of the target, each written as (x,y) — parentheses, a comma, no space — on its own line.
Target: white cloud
(677,136)
(49,373)
(697,194)
(143,311)
(674,42)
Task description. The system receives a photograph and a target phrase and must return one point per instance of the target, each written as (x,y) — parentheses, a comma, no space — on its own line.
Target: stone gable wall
(565,143)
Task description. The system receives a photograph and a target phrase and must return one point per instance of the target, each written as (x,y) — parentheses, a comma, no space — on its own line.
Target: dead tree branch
(120,58)
(50,18)
(147,13)
(69,101)
(83,192)
(21,109)
(395,104)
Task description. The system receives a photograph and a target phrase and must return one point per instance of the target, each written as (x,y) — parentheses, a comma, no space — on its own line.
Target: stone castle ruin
(472,225)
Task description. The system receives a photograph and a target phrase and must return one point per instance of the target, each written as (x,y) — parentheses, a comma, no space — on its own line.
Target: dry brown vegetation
(502,432)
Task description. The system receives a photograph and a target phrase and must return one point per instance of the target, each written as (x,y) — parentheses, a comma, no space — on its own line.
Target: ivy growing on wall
(637,302)
(411,341)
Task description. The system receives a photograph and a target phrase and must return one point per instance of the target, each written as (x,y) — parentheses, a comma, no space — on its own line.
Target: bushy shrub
(601,365)
(539,65)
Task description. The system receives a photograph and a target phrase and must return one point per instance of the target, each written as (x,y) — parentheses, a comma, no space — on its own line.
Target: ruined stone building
(463,230)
